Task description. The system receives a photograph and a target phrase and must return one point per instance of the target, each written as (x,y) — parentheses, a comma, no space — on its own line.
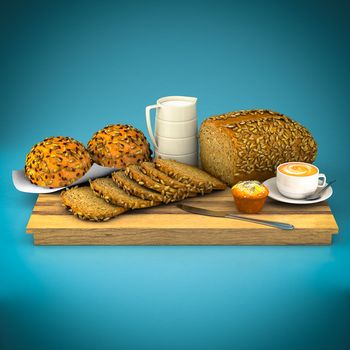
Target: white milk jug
(175,135)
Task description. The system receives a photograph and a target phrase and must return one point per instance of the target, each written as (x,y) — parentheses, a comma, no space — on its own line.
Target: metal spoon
(317,195)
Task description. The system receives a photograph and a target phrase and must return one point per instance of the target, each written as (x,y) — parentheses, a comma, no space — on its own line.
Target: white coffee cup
(296,186)
(190,159)
(177,146)
(176,118)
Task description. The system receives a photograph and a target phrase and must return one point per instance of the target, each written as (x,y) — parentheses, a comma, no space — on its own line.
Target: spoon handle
(318,194)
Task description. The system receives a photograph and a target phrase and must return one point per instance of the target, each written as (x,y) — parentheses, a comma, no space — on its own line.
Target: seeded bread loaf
(57,162)
(119,145)
(249,145)
(84,204)
(106,188)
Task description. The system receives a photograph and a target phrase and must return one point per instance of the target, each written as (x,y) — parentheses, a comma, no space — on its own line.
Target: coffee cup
(298,180)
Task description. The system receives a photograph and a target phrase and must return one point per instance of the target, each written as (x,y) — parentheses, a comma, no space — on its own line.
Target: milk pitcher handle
(149,123)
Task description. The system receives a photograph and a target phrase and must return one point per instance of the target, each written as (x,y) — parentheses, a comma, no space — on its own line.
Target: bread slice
(106,188)
(189,174)
(149,169)
(133,188)
(135,173)
(84,204)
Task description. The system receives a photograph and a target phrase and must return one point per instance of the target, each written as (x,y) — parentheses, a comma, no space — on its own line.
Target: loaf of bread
(249,145)
(57,162)
(119,145)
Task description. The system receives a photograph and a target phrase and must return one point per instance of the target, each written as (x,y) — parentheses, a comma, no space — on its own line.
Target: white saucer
(275,194)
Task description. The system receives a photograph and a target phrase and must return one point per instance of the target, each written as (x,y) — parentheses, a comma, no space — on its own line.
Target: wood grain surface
(51,224)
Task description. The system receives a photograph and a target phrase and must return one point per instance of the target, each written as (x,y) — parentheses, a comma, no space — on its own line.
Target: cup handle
(322,179)
(149,123)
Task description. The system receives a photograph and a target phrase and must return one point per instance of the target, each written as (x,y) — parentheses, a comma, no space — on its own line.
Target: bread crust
(256,142)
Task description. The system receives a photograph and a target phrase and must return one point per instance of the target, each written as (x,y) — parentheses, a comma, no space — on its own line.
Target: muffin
(57,162)
(249,196)
(119,145)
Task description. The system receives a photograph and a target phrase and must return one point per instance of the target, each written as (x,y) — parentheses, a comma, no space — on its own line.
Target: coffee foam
(298,169)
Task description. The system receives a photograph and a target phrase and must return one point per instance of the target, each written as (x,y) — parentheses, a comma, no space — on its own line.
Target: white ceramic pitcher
(175,126)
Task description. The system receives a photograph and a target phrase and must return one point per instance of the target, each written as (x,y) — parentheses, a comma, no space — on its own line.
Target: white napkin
(24,185)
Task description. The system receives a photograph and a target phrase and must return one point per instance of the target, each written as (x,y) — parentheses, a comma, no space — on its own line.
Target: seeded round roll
(118,146)
(57,162)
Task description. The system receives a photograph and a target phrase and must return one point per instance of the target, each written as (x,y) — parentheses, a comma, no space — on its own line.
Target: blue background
(71,67)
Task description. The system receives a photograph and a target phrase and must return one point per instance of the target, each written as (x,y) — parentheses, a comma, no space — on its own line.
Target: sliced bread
(189,174)
(133,188)
(149,169)
(106,188)
(135,173)
(84,204)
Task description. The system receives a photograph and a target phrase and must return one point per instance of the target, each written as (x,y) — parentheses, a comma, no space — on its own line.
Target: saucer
(276,195)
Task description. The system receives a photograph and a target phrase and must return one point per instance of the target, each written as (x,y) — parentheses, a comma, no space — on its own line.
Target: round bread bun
(57,162)
(119,145)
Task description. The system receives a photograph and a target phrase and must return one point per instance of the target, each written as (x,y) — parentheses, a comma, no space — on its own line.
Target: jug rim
(177,98)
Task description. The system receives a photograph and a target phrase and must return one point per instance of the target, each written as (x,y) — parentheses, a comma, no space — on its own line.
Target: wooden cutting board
(51,224)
